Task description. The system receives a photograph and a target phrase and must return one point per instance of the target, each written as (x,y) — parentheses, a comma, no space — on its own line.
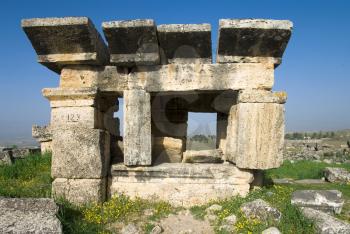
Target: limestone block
(221,131)
(80,191)
(202,156)
(167,149)
(202,77)
(84,116)
(325,223)
(46,146)
(80,153)
(41,133)
(259,131)
(137,128)
(329,201)
(181,184)
(185,43)
(71,97)
(337,175)
(29,215)
(132,42)
(78,76)
(252,40)
(68,40)
(262,96)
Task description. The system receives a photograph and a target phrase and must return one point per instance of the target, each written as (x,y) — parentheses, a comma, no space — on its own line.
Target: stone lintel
(252,40)
(132,42)
(67,40)
(262,96)
(202,77)
(185,43)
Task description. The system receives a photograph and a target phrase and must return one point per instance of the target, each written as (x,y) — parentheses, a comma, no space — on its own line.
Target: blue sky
(314,72)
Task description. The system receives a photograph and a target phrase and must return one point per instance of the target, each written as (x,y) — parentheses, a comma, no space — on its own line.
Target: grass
(302,169)
(29,177)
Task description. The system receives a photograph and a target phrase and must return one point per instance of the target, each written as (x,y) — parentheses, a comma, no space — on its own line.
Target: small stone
(326,200)
(130,229)
(148,212)
(260,209)
(328,161)
(211,218)
(156,230)
(226,228)
(213,209)
(325,223)
(271,230)
(336,174)
(6,158)
(230,220)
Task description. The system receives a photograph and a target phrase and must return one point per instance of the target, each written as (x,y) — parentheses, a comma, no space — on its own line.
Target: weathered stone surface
(261,96)
(80,191)
(167,149)
(256,135)
(252,40)
(337,175)
(131,229)
(271,230)
(46,146)
(137,128)
(29,215)
(326,200)
(132,42)
(213,209)
(185,43)
(156,230)
(182,184)
(68,40)
(80,153)
(325,223)
(202,156)
(42,133)
(261,210)
(80,76)
(221,131)
(6,157)
(24,152)
(191,77)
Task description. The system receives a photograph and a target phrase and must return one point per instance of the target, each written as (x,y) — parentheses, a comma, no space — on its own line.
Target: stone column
(137,128)
(256,130)
(80,146)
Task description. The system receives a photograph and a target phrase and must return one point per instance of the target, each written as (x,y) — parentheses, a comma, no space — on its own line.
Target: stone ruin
(162,73)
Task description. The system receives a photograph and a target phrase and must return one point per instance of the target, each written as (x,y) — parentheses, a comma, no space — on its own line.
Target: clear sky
(314,72)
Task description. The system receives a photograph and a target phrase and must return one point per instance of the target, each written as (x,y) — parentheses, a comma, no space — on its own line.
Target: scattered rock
(230,220)
(148,212)
(156,230)
(130,229)
(260,209)
(336,174)
(283,181)
(326,200)
(29,215)
(325,223)
(304,181)
(328,161)
(213,209)
(211,218)
(271,230)
(226,228)
(23,152)
(6,158)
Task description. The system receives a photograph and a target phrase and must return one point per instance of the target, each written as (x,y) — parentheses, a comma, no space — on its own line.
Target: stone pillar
(44,136)
(80,146)
(256,130)
(137,128)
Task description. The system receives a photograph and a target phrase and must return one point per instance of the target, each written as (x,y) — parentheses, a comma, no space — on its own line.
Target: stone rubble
(337,175)
(29,215)
(329,201)
(261,210)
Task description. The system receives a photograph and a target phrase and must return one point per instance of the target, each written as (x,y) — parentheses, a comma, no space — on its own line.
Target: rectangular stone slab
(181,184)
(185,43)
(252,40)
(255,135)
(137,128)
(80,153)
(68,40)
(132,42)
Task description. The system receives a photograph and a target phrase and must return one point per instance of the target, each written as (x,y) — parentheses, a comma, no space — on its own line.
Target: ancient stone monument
(162,73)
